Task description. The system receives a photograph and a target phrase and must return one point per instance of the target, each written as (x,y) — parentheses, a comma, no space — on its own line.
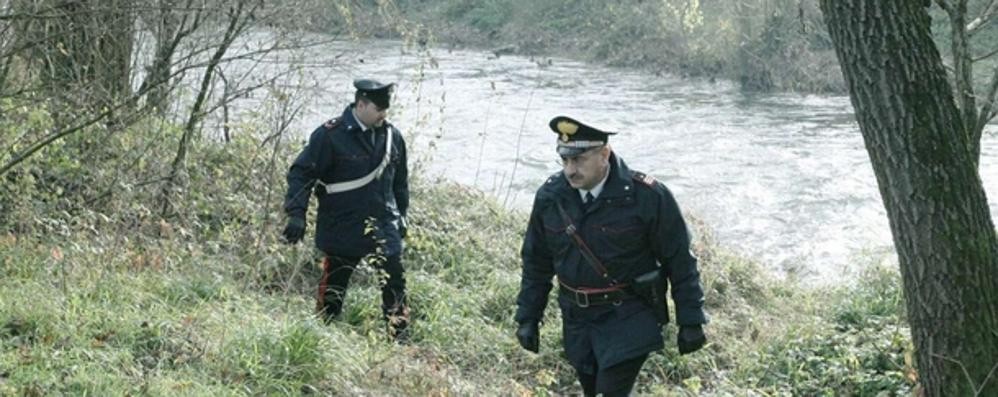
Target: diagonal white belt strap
(356,183)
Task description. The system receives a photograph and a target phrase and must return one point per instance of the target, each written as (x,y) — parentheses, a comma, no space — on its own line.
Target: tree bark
(943,232)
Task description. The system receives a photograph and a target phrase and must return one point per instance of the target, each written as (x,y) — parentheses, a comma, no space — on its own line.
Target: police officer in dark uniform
(356,165)
(598,227)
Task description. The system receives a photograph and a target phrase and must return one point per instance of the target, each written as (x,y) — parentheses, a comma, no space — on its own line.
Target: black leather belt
(586,299)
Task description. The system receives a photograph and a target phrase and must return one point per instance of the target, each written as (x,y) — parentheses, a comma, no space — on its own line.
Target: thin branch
(283,125)
(226,98)
(110,190)
(54,12)
(167,51)
(962,368)
(52,138)
(146,87)
(986,56)
(25,154)
(970,380)
(985,17)
(237,24)
(977,391)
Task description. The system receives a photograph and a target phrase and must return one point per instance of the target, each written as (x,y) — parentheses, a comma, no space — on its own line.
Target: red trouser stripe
(320,299)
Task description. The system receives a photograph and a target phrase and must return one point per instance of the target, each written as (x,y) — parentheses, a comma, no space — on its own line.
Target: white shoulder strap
(340,187)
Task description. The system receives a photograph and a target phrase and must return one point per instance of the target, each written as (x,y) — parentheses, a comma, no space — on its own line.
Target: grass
(89,316)
(102,295)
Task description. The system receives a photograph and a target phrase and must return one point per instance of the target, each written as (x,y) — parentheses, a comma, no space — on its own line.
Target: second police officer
(356,165)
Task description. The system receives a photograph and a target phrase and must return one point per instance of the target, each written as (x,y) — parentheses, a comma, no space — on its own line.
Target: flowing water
(783,178)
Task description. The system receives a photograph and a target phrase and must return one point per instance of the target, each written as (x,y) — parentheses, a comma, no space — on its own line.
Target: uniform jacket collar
(354,128)
(349,120)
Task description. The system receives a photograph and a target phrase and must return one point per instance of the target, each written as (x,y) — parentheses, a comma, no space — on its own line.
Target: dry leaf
(57,254)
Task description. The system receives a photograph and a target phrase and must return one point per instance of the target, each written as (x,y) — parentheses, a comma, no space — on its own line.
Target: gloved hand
(295,230)
(528,336)
(690,338)
(403,227)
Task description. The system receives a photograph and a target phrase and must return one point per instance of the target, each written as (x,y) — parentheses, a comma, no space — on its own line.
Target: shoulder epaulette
(553,178)
(549,186)
(332,123)
(643,178)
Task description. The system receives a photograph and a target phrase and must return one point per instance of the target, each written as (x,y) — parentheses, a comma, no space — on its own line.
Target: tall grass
(102,296)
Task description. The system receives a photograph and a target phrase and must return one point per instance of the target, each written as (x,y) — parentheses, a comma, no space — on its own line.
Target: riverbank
(105,296)
(762,47)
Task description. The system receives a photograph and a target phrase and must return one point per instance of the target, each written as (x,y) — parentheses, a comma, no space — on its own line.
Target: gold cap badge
(567,128)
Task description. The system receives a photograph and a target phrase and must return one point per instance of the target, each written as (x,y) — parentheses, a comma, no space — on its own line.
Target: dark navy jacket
(633,227)
(340,151)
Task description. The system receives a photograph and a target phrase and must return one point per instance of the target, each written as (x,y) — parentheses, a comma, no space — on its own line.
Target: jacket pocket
(350,166)
(556,234)
(622,236)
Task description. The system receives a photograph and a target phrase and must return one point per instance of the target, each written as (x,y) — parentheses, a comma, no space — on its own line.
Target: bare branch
(237,24)
(963,368)
(985,381)
(985,17)
(48,13)
(986,56)
(26,153)
(30,151)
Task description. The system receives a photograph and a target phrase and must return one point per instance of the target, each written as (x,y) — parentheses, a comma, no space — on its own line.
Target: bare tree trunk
(943,232)
(169,30)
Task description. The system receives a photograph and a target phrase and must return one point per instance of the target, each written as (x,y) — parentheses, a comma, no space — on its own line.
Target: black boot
(398,325)
(328,308)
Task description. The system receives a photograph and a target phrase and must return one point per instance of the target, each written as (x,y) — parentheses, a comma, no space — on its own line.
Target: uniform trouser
(336,272)
(613,381)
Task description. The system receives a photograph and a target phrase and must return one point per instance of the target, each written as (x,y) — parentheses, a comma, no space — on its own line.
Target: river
(782,178)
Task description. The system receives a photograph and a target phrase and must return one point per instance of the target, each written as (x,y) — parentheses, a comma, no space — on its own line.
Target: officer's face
(370,114)
(587,169)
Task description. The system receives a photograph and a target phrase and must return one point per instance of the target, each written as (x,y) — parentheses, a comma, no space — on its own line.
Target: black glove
(528,336)
(295,230)
(403,227)
(690,338)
